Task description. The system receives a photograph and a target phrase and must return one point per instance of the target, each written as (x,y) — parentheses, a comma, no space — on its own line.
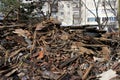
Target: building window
(91,19)
(76,21)
(111,19)
(62,13)
(68,5)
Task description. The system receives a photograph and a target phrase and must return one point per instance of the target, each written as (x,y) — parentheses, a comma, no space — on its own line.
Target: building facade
(86,12)
(106,10)
(83,12)
(69,12)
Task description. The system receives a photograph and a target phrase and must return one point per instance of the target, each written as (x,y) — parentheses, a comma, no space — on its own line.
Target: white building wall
(76,8)
(45,8)
(65,14)
(69,12)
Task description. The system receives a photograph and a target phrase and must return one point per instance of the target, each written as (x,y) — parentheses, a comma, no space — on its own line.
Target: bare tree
(97,3)
(52,5)
(114,9)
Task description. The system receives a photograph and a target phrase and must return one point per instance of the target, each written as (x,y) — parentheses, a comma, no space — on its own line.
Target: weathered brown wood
(92,45)
(68,62)
(87,72)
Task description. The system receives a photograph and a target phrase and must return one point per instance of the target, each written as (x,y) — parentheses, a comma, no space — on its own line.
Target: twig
(34,42)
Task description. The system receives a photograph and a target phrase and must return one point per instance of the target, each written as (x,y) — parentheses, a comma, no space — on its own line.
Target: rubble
(47,51)
(108,75)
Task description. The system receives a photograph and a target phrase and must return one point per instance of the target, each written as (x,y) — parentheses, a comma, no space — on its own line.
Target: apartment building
(83,12)
(106,10)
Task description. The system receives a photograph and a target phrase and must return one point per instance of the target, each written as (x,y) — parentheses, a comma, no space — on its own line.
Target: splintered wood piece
(40,55)
(87,72)
(22,32)
(16,52)
(11,72)
(83,50)
(68,61)
(106,53)
(94,45)
(39,26)
(64,76)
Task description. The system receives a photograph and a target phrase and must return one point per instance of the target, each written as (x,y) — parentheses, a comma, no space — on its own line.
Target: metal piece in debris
(107,75)
(84,66)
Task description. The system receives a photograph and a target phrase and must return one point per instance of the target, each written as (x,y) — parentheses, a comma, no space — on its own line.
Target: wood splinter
(87,72)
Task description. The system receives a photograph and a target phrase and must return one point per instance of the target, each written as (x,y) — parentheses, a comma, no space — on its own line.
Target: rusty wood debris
(68,62)
(47,51)
(87,72)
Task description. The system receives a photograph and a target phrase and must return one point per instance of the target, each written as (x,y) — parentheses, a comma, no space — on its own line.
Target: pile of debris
(48,51)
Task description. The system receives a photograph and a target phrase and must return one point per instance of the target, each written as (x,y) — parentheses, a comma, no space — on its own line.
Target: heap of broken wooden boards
(48,51)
